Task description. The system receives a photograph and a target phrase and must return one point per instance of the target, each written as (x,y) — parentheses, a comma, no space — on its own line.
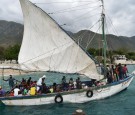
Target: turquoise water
(120,104)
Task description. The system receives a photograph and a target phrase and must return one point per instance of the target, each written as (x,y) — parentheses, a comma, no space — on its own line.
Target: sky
(80,14)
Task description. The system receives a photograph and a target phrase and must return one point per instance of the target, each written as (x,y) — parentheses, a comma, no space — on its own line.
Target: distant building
(119,59)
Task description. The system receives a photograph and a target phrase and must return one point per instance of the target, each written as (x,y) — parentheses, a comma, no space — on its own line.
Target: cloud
(122,15)
(120,12)
(11,10)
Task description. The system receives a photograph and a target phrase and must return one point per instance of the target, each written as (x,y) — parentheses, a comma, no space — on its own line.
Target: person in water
(10,81)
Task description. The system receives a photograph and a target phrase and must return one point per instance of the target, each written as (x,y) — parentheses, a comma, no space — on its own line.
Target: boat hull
(78,96)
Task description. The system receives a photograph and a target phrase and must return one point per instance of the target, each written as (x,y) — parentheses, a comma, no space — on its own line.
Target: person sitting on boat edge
(10,81)
(2,92)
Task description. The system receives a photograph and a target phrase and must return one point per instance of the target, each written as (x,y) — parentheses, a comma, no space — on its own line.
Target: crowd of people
(30,87)
(116,73)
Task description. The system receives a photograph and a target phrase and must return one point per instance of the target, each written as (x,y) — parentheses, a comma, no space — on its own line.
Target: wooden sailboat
(47,47)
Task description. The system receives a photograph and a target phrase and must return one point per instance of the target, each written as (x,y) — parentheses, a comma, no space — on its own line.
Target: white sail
(46,47)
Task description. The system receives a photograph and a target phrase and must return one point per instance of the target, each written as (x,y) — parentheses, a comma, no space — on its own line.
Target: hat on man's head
(44,76)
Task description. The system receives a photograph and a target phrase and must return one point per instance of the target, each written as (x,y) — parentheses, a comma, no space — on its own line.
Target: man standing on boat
(63,82)
(10,81)
(125,71)
(40,82)
(120,70)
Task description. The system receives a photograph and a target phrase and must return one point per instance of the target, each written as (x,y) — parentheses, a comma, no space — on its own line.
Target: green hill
(12,33)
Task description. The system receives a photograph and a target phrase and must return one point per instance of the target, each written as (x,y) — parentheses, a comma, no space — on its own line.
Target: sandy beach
(10,69)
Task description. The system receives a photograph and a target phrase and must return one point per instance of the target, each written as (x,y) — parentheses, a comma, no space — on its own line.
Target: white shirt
(16,90)
(39,82)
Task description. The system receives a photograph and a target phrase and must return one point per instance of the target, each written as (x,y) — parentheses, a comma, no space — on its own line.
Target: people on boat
(16,91)
(51,89)
(25,91)
(108,68)
(44,88)
(117,72)
(58,88)
(125,71)
(41,80)
(10,81)
(2,91)
(29,81)
(23,82)
(11,93)
(54,87)
(33,90)
(78,83)
(64,83)
(74,84)
(120,70)
(109,78)
(71,83)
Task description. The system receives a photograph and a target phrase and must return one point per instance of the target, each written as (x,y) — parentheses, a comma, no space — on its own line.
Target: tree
(2,53)
(11,53)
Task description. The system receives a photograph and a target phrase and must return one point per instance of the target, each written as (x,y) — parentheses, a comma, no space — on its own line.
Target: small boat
(47,47)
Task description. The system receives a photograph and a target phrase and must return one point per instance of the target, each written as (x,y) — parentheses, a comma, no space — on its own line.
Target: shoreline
(10,69)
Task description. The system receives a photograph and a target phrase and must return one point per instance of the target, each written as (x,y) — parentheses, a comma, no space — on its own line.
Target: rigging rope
(93,36)
(67,2)
(113,27)
(71,9)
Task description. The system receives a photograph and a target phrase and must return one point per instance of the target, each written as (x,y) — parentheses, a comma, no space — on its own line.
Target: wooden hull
(76,96)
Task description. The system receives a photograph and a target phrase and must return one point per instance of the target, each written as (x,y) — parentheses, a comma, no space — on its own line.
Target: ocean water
(119,104)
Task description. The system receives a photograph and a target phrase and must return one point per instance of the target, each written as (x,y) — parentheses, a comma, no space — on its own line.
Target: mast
(103,33)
